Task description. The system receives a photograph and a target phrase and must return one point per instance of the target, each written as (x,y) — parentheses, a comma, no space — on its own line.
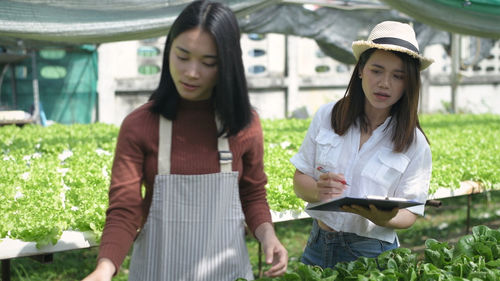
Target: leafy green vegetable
(56,178)
(439,264)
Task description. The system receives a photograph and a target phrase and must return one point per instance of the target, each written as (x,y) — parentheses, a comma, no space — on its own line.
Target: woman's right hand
(330,185)
(103,272)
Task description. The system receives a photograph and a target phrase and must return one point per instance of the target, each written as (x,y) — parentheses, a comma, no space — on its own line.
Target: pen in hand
(323,170)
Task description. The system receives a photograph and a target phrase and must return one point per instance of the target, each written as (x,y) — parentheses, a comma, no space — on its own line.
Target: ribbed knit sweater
(194,151)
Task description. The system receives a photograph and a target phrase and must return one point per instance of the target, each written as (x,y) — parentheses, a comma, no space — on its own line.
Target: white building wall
(274,58)
(301,82)
(117,60)
(475,94)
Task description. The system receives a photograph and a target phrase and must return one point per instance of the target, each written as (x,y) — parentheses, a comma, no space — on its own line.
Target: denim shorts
(325,248)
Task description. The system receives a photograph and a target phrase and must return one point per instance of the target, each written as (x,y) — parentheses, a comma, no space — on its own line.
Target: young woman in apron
(197,148)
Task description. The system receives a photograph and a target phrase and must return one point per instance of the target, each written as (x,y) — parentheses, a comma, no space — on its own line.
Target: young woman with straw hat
(372,140)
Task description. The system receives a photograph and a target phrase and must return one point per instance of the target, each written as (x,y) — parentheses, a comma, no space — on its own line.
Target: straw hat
(392,36)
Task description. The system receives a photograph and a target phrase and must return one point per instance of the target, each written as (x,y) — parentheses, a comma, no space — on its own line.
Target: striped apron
(195,226)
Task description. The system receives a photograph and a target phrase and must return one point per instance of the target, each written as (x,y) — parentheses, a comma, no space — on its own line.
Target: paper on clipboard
(383,203)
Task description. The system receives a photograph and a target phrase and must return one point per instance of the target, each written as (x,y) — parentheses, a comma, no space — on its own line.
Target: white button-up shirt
(375,169)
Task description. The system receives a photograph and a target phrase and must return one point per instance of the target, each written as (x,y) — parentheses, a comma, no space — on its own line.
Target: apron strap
(165,147)
(225,155)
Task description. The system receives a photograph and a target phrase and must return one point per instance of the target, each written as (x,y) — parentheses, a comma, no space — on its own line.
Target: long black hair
(230,96)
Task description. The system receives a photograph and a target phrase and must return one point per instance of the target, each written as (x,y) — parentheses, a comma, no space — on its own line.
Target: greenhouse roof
(334,24)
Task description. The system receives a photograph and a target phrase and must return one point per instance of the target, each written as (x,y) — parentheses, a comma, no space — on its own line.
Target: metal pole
(292,76)
(36,94)
(261,272)
(469,199)
(6,270)
(455,69)
(13,85)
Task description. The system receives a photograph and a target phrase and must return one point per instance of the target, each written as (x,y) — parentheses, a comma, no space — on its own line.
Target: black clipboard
(383,203)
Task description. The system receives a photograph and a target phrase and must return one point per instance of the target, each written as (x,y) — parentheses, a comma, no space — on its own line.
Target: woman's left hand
(276,255)
(377,216)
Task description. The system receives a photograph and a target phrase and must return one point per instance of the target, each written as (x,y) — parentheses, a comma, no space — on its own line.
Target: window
(21,71)
(256,52)
(53,72)
(148,51)
(256,69)
(341,68)
(52,54)
(256,36)
(320,54)
(322,68)
(149,69)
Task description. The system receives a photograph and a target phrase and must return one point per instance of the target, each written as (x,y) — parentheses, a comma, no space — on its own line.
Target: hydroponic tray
(70,240)
(288,215)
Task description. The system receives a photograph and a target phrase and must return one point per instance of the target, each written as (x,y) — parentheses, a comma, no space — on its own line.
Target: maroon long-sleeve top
(194,151)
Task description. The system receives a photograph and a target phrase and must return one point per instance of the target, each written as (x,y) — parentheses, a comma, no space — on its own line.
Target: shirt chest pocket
(386,167)
(328,148)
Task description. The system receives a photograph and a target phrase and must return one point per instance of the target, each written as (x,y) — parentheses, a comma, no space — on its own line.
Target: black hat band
(397,42)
